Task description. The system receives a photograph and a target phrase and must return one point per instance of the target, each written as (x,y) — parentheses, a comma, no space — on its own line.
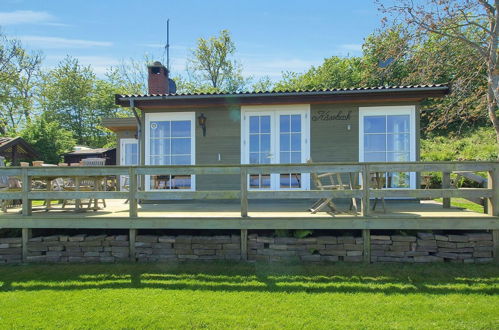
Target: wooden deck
(262,214)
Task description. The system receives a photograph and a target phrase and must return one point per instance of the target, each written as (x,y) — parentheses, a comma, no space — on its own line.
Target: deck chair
(8,184)
(335,183)
(94,184)
(378,182)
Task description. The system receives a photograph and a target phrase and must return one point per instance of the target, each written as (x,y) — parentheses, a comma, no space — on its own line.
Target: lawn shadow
(242,277)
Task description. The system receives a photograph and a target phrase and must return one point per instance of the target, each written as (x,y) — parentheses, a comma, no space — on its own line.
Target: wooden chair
(335,183)
(378,182)
(8,184)
(94,184)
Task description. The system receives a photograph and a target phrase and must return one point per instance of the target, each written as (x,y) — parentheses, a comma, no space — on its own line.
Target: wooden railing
(363,192)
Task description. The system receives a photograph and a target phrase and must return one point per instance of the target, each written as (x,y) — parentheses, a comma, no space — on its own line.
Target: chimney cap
(155,64)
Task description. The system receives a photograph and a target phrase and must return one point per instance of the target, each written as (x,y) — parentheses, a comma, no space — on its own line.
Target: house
(81,152)
(339,125)
(15,149)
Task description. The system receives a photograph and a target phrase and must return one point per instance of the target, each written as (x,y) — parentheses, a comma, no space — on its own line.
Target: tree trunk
(492,101)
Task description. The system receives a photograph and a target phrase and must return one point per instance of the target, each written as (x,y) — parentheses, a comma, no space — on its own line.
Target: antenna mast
(168,44)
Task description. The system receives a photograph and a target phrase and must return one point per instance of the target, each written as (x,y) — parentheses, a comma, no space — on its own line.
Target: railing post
(493,183)
(132,192)
(366,179)
(366,236)
(25,236)
(26,188)
(446,185)
(244,192)
(132,233)
(244,244)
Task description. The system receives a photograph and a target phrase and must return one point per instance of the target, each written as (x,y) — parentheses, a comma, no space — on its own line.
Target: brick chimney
(157,78)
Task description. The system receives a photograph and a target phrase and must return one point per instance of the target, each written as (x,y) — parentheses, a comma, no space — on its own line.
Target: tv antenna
(167,46)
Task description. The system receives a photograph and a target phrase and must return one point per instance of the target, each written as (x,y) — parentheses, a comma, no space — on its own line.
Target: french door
(129,155)
(276,135)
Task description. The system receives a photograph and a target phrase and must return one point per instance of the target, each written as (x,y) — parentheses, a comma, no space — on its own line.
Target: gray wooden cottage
(379,124)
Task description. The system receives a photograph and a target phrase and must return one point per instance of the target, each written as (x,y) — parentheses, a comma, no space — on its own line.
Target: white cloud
(56,42)
(26,17)
(99,64)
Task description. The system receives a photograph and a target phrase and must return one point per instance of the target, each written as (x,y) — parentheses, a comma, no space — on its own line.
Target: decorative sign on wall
(328,115)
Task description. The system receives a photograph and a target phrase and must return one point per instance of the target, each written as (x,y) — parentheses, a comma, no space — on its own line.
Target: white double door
(276,135)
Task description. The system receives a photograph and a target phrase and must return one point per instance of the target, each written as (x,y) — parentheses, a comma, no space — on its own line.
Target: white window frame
(391,110)
(149,117)
(123,142)
(274,111)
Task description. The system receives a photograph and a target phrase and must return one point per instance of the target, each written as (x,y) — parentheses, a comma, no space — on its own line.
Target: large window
(276,135)
(170,141)
(387,134)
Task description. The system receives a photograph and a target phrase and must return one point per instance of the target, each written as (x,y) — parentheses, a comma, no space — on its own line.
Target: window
(170,141)
(387,134)
(276,135)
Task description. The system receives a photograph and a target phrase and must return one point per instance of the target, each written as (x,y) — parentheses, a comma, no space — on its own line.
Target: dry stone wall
(422,247)
(313,249)
(428,247)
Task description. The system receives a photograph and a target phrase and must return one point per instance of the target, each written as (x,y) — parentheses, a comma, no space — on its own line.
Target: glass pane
(160,129)
(398,123)
(374,142)
(397,157)
(295,180)
(374,157)
(181,146)
(254,143)
(155,160)
(285,142)
(181,182)
(398,180)
(285,158)
(398,142)
(164,146)
(254,124)
(265,181)
(284,123)
(296,142)
(296,123)
(295,157)
(254,181)
(181,160)
(181,128)
(265,124)
(254,158)
(154,147)
(285,180)
(265,142)
(374,124)
(160,182)
(265,158)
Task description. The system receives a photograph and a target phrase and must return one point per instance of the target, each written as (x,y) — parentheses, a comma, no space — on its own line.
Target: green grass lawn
(222,295)
(463,204)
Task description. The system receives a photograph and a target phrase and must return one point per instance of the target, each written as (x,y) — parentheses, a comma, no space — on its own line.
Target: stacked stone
(10,250)
(78,248)
(312,249)
(428,247)
(187,247)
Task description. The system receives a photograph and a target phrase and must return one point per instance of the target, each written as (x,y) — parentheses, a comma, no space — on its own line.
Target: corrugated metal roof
(89,151)
(294,92)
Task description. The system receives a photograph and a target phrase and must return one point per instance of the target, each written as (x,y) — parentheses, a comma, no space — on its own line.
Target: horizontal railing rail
(362,191)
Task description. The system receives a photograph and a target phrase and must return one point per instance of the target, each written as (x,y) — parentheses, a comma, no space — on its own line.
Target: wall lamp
(202,123)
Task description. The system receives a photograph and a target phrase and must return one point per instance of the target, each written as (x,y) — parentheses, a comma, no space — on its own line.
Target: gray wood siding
(331,141)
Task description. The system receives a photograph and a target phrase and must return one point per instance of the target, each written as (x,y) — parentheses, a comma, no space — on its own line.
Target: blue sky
(271,36)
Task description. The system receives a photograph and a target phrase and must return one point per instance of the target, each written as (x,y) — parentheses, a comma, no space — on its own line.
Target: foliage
(48,139)
(212,65)
(478,145)
(74,97)
(19,73)
(242,295)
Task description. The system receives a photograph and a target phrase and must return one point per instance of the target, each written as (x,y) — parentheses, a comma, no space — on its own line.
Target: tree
(474,23)
(73,96)
(49,139)
(212,66)
(19,73)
